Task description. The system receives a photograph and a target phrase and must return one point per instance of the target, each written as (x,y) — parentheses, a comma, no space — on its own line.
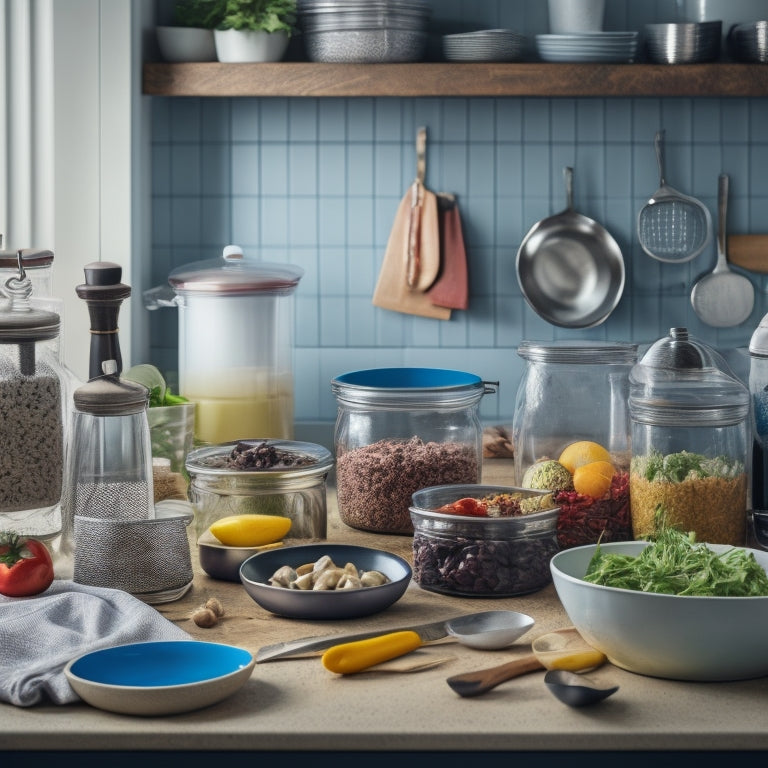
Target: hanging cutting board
(749,252)
(451,289)
(412,259)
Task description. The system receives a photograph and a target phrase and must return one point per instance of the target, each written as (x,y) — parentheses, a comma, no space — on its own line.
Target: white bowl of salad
(670,607)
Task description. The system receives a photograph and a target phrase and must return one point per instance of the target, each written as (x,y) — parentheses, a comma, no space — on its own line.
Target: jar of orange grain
(691,442)
(571,432)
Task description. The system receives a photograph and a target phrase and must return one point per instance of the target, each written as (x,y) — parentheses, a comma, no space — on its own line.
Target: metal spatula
(723,298)
(671,226)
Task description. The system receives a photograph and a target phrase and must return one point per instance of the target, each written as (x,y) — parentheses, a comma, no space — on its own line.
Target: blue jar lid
(408,378)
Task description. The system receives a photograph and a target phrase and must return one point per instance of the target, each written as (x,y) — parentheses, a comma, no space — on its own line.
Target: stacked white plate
(484,45)
(588,46)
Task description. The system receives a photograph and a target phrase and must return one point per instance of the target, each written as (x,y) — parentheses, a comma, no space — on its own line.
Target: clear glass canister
(33,415)
(286,478)
(399,430)
(758,388)
(571,434)
(691,442)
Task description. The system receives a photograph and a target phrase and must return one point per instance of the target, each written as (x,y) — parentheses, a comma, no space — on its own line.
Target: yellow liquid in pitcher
(251,408)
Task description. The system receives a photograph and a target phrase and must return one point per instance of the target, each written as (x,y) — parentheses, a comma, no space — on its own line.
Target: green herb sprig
(675,564)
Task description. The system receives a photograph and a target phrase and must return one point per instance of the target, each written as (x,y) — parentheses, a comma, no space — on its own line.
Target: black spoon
(576,690)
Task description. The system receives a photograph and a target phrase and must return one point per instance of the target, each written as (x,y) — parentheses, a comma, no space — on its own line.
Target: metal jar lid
(18,327)
(682,381)
(235,274)
(578,352)
(109,395)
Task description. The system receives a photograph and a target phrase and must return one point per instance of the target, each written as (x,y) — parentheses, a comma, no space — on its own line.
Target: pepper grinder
(103,293)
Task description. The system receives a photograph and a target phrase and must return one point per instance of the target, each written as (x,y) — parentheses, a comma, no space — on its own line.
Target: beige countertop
(297,705)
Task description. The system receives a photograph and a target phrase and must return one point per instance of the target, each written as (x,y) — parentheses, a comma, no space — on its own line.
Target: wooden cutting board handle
(749,252)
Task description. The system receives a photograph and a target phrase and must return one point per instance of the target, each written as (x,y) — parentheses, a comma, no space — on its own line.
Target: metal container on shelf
(571,434)
(691,442)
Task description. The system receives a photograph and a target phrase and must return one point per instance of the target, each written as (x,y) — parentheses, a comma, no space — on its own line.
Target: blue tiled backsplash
(316,182)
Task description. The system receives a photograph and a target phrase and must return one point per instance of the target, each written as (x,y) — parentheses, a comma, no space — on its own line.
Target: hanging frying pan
(570,269)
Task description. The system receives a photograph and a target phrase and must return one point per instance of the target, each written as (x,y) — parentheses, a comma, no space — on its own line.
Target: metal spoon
(561,649)
(723,298)
(489,630)
(576,690)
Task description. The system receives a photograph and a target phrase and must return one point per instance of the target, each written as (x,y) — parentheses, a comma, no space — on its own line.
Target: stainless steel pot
(570,269)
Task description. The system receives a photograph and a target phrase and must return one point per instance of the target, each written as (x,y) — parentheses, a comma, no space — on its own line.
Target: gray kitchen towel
(40,634)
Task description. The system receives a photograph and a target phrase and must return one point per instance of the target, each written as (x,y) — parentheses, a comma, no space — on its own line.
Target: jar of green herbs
(691,441)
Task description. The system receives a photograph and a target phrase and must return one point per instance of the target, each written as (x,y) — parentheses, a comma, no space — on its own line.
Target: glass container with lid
(571,434)
(33,413)
(399,430)
(691,442)
(235,344)
(758,388)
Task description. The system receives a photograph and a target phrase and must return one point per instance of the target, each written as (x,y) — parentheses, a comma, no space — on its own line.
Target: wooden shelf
(300,79)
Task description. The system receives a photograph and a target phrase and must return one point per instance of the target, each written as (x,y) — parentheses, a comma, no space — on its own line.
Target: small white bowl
(186,43)
(159,678)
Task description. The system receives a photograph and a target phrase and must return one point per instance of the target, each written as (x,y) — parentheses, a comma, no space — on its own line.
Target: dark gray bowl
(256,571)
(223,562)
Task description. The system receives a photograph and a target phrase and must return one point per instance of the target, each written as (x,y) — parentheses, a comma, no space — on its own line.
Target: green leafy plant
(259,15)
(204,14)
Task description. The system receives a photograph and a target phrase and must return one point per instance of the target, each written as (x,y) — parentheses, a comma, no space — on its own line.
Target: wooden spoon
(561,649)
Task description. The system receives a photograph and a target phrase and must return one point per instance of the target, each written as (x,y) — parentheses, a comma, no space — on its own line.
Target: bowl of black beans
(483,540)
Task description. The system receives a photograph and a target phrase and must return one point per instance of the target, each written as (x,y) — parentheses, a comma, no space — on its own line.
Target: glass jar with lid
(571,434)
(33,414)
(399,430)
(691,442)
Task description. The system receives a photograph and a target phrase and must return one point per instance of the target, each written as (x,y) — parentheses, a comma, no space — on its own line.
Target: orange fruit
(593,479)
(582,452)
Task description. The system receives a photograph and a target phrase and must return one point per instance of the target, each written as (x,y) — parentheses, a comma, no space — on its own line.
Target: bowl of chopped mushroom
(325,581)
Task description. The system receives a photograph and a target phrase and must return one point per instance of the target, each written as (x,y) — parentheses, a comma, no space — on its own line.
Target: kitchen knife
(435,630)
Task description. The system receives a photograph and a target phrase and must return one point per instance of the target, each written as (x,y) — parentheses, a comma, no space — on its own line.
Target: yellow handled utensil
(348,658)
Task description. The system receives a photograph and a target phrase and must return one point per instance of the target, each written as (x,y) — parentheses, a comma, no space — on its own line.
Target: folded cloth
(40,634)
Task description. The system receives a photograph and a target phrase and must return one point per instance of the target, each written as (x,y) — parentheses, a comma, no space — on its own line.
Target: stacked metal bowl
(484,45)
(749,41)
(364,31)
(683,43)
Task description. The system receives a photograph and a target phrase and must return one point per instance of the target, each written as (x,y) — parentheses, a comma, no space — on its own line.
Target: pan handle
(568,176)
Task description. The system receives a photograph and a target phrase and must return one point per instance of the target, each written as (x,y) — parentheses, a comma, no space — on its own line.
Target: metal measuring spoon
(576,690)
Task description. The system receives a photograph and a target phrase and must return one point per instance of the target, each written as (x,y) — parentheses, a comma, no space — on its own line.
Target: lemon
(593,479)
(250,530)
(582,452)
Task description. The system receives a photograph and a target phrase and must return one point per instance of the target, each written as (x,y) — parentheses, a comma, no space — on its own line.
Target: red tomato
(26,567)
(467,506)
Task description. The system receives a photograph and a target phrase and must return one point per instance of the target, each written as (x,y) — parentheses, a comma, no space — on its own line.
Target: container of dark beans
(483,540)
(399,430)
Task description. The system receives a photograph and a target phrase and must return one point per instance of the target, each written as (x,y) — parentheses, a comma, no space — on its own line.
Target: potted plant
(254,30)
(190,36)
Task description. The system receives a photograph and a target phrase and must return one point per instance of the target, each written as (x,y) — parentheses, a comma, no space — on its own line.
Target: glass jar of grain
(33,423)
(691,442)
(399,430)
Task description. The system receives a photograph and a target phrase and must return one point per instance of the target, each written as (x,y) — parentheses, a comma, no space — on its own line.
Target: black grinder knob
(103,293)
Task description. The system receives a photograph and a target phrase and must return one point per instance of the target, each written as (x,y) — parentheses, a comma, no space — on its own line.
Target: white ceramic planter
(186,44)
(250,45)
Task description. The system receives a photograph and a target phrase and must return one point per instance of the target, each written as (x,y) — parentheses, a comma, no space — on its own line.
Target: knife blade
(434,630)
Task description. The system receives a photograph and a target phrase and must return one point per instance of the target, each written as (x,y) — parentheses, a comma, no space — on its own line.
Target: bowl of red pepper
(483,540)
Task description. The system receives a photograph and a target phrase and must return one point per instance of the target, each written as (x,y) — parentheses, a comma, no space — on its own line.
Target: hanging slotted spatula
(671,226)
(723,298)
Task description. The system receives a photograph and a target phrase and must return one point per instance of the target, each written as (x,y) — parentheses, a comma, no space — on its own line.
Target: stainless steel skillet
(569,267)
